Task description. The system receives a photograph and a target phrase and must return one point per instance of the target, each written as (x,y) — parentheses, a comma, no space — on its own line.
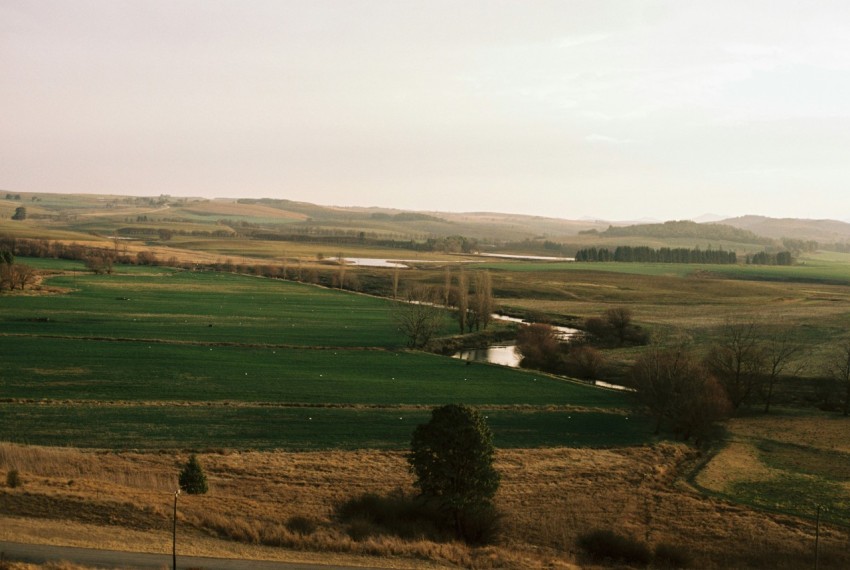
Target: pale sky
(616,110)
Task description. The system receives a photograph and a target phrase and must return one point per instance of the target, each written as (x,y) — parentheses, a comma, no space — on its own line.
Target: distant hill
(823,231)
(688,229)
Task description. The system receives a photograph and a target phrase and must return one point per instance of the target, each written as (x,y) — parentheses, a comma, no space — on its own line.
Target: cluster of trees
(645,254)
(13,196)
(543,348)
(615,327)
(20,213)
(765,258)
(14,275)
(687,394)
(421,315)
(474,310)
(130,231)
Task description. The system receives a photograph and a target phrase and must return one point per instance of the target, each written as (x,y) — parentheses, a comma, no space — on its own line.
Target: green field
(815,268)
(254,427)
(159,358)
(75,369)
(203,307)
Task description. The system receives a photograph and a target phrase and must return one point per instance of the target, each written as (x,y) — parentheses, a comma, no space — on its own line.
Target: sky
(616,110)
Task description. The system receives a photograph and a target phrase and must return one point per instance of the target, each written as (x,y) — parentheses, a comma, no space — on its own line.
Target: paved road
(39,553)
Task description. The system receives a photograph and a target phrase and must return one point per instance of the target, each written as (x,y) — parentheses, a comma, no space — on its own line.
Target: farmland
(259,373)
(197,359)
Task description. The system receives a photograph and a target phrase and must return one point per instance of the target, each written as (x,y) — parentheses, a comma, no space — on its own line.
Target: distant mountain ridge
(823,231)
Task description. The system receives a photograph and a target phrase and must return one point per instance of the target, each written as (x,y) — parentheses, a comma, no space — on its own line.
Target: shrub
(13,479)
(397,515)
(602,545)
(672,556)
(482,526)
(361,529)
(301,525)
(584,362)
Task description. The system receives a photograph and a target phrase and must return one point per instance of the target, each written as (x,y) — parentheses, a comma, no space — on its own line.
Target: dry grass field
(548,498)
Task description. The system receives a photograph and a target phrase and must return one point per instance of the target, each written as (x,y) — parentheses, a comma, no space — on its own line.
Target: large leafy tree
(452,458)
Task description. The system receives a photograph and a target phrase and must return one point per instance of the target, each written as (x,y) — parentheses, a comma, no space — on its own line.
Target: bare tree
(839,370)
(780,352)
(418,319)
(483,299)
(447,286)
(674,387)
(737,361)
(539,346)
(343,266)
(22,275)
(462,300)
(657,376)
(395,282)
(619,319)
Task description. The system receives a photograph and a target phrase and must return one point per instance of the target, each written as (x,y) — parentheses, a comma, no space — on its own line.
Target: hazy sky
(607,109)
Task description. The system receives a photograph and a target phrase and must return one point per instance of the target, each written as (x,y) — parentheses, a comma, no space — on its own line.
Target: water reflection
(504,354)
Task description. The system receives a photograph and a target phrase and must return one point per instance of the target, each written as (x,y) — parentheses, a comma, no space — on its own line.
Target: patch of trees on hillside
(643,254)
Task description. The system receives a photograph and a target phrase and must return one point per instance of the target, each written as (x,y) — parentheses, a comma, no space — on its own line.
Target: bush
(361,529)
(13,479)
(301,525)
(672,556)
(481,526)
(606,545)
(397,515)
(584,362)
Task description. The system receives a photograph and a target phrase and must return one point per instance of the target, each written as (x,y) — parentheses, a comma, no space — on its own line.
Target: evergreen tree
(452,458)
(192,478)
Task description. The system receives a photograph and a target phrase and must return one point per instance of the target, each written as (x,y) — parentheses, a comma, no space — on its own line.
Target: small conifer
(192,478)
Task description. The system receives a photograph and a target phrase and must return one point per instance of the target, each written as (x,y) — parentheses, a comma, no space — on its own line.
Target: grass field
(204,307)
(159,358)
(51,368)
(164,426)
(790,462)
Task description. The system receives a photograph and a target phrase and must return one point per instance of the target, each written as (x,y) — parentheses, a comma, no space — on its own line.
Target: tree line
(765,258)
(644,254)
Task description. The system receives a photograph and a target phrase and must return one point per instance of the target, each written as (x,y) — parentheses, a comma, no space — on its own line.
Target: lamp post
(174,534)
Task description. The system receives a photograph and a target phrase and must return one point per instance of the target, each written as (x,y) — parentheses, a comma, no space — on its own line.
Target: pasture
(160,358)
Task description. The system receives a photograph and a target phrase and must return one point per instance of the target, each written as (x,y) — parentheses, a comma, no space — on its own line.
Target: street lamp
(174,534)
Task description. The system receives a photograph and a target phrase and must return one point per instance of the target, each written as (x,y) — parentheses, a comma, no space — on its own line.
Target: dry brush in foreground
(549,497)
